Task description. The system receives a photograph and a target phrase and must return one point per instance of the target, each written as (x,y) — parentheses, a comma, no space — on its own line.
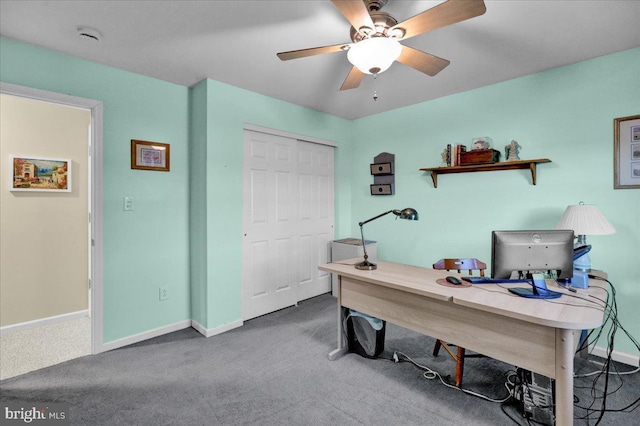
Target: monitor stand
(538,289)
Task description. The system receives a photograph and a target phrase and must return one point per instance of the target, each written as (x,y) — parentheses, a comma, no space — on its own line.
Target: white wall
(43,236)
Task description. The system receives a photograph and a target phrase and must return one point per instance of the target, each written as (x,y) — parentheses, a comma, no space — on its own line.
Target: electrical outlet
(128,204)
(164,293)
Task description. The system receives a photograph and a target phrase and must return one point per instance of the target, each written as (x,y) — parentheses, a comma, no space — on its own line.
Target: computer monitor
(523,254)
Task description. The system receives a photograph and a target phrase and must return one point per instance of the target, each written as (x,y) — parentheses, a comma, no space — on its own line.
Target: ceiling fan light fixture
(366,31)
(397,32)
(374,55)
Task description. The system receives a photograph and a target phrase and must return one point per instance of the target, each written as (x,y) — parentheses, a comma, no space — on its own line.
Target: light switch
(128,204)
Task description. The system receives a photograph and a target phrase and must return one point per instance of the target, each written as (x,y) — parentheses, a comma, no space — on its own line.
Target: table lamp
(584,220)
(407,213)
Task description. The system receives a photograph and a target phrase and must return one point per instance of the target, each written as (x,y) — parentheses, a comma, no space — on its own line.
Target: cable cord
(617,373)
(601,388)
(430,374)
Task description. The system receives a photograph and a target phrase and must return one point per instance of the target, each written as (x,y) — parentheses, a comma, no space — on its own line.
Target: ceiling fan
(376,35)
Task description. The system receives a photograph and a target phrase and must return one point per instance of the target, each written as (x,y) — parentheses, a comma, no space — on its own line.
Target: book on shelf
(456,150)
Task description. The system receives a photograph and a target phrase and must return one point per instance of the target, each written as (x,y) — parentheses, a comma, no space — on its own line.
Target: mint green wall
(185,226)
(148,248)
(198,201)
(565,114)
(186,221)
(228,109)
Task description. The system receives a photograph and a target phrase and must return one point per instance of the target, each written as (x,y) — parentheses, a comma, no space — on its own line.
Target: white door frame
(95,151)
(247,126)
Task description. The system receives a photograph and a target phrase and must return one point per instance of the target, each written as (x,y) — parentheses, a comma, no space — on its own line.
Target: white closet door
(270,216)
(288,209)
(316,217)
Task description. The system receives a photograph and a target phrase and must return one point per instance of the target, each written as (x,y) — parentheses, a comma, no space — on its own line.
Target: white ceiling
(236,42)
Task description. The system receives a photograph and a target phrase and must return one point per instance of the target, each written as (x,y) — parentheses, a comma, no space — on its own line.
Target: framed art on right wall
(626,152)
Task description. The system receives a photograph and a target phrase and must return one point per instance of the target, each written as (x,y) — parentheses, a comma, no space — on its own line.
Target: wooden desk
(537,335)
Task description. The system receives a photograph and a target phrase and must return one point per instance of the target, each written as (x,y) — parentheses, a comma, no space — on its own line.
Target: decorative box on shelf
(479,156)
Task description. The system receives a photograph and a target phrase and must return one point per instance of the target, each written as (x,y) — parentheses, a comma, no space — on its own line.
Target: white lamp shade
(585,220)
(374,55)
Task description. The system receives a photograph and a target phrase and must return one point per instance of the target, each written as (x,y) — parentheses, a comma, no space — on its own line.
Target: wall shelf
(505,165)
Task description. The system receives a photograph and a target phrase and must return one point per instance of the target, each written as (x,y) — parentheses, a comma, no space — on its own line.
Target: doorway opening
(55,278)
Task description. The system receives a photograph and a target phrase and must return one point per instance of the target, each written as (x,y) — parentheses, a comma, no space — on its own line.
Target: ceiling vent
(87,33)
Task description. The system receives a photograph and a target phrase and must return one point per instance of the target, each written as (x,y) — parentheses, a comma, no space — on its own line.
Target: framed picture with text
(147,155)
(626,152)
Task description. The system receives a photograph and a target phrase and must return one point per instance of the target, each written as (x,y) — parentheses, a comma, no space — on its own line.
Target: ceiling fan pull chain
(375,92)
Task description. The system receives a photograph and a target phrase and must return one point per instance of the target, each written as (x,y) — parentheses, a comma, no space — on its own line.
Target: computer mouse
(453,280)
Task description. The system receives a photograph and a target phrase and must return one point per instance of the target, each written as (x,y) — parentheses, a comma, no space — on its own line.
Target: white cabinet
(346,249)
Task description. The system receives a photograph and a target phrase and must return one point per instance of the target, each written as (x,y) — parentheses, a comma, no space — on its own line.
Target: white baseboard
(130,340)
(126,341)
(621,357)
(208,332)
(44,321)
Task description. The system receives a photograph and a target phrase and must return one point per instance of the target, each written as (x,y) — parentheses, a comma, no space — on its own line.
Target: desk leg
(564,377)
(341,348)
(584,352)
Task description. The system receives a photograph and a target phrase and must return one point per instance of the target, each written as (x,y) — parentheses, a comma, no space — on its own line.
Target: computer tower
(537,395)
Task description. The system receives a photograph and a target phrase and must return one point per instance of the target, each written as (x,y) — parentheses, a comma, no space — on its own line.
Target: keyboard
(487,280)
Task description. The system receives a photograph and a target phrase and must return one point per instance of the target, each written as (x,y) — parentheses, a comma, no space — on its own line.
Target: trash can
(365,334)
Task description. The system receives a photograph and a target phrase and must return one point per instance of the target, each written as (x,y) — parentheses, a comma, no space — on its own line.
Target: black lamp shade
(408,213)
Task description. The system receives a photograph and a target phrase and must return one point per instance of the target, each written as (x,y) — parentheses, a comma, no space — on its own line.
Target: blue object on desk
(578,252)
(487,280)
(538,289)
(580,279)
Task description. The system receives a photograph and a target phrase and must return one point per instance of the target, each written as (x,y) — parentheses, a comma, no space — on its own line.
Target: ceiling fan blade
(295,54)
(353,79)
(444,14)
(421,61)
(356,13)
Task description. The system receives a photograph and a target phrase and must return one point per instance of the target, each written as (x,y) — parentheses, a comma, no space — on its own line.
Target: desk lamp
(407,213)
(584,220)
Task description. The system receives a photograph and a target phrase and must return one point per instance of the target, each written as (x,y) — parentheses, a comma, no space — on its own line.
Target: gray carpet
(274,371)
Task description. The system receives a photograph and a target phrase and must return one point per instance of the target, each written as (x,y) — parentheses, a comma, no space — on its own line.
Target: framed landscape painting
(39,174)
